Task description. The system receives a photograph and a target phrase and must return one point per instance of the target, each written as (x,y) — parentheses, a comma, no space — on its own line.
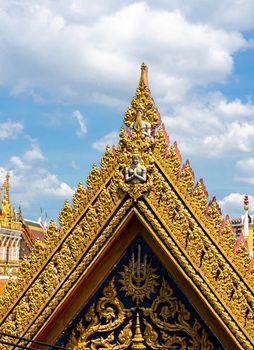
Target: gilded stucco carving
(212,296)
(173,161)
(94,181)
(195,244)
(143,97)
(108,162)
(62,260)
(139,278)
(65,217)
(166,307)
(242,258)
(61,292)
(227,237)
(186,179)
(136,145)
(200,196)
(204,244)
(165,323)
(79,199)
(161,144)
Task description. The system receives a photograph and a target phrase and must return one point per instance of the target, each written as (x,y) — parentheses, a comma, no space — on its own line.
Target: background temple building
(244,225)
(17,236)
(142,258)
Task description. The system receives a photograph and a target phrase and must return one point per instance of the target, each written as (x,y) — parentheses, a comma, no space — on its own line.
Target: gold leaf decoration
(210,265)
(143,97)
(37,257)
(166,321)
(161,144)
(213,266)
(195,246)
(200,196)
(49,279)
(79,199)
(213,213)
(108,162)
(94,181)
(103,205)
(242,257)
(66,216)
(64,261)
(52,236)
(227,237)
(186,179)
(173,161)
(76,242)
(173,210)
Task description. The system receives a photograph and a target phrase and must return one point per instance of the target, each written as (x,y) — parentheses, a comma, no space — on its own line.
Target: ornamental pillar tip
(7,187)
(144,74)
(246,202)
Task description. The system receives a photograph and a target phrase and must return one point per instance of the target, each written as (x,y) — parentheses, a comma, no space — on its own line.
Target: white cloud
(245,172)
(47,184)
(230,14)
(235,109)
(18,163)
(236,137)
(74,165)
(10,129)
(82,123)
(212,126)
(3,173)
(34,153)
(246,165)
(106,49)
(32,182)
(233,204)
(107,140)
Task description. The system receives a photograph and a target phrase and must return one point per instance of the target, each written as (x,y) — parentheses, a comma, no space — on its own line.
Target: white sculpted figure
(135,173)
(141,126)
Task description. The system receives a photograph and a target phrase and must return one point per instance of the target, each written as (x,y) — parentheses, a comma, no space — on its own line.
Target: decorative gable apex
(140,188)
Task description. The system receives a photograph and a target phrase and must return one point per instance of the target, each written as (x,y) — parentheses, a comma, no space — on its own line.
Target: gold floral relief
(138,309)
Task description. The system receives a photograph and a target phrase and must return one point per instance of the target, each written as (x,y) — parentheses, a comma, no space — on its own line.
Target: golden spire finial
(144,75)
(7,187)
(138,340)
(142,104)
(6,207)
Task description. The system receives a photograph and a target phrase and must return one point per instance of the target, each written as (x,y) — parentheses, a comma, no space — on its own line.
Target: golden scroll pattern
(154,319)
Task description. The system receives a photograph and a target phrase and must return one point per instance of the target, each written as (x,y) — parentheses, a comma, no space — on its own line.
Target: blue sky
(68,71)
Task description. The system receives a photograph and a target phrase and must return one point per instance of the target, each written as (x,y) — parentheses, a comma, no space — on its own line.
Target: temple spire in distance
(246,216)
(7,188)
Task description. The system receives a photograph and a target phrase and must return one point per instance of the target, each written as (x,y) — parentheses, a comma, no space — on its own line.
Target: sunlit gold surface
(108,314)
(178,212)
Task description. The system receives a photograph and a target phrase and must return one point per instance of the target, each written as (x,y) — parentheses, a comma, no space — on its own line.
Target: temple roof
(35,230)
(141,186)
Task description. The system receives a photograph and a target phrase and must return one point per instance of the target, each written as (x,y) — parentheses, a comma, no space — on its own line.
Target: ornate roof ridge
(142,172)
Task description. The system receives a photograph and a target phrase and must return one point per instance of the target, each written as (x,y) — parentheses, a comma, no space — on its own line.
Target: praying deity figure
(141,126)
(135,173)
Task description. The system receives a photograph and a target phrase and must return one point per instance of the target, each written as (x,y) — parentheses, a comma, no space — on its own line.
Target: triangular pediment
(140,189)
(139,305)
